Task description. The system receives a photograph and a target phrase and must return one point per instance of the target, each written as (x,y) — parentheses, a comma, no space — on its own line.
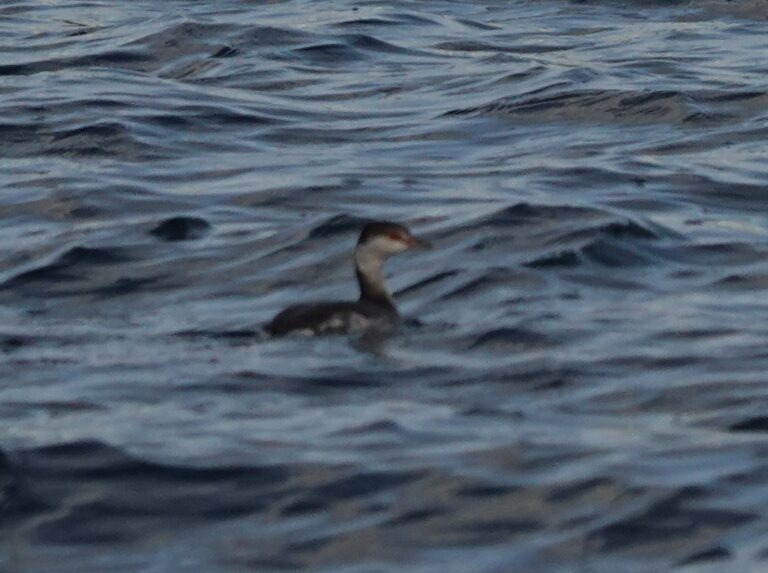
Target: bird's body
(332,317)
(375,308)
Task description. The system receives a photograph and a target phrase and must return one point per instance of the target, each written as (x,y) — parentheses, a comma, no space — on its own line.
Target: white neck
(369,264)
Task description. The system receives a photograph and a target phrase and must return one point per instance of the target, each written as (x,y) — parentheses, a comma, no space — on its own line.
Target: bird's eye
(396,237)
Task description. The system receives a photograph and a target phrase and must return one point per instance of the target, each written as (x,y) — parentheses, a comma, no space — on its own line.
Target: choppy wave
(579,379)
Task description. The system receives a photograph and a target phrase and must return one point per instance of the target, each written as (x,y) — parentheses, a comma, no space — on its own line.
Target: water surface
(581,384)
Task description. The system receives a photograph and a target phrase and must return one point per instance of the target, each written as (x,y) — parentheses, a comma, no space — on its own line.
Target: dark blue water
(584,388)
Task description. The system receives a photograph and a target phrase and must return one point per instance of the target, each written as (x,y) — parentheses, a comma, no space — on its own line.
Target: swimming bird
(375,309)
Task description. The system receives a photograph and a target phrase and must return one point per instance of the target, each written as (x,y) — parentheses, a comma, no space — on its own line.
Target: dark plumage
(374,309)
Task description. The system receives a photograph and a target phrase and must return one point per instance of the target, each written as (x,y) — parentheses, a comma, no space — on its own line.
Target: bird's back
(331,317)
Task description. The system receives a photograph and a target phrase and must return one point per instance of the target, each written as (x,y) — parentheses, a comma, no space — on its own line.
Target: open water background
(585,387)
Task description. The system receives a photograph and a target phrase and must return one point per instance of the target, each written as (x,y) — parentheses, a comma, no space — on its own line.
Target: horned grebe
(375,308)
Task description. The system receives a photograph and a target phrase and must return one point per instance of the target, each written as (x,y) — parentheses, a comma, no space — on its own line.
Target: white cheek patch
(390,245)
(401,243)
(383,244)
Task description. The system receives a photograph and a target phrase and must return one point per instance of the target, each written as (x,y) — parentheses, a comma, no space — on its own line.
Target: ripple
(181,229)
(54,472)
(755,424)
(564,259)
(102,140)
(373,44)
(524,213)
(706,556)
(336,225)
(667,520)
(593,105)
(365,22)
(68,266)
(508,338)
(329,53)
